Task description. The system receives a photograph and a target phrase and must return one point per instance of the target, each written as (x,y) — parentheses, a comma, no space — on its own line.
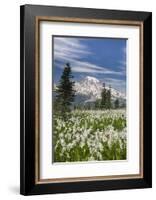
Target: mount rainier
(89,90)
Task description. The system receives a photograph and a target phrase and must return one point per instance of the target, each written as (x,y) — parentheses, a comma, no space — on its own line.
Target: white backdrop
(9,98)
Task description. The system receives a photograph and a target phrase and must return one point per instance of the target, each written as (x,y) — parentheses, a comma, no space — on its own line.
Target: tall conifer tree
(65,92)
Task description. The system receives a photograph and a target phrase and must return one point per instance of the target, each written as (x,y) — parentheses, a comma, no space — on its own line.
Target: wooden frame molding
(38,180)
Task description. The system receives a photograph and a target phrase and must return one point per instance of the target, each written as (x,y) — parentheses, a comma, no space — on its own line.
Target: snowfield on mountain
(92,87)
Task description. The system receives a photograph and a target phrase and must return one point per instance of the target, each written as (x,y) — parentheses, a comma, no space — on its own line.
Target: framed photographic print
(86,99)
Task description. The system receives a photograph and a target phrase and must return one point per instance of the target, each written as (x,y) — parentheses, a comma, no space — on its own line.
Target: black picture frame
(28,15)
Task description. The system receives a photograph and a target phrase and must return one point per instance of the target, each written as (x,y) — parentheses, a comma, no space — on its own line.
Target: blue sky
(102,58)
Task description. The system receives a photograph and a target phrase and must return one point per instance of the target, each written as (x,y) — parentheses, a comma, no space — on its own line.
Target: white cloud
(69,48)
(91,68)
(73,50)
(122,63)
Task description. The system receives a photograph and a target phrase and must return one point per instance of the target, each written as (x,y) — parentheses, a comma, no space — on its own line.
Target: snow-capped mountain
(91,88)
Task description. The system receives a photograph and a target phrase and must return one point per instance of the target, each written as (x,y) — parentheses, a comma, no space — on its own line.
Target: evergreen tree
(103,97)
(116,103)
(97,104)
(65,93)
(106,98)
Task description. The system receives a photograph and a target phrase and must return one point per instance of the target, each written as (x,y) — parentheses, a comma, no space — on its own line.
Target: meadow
(90,135)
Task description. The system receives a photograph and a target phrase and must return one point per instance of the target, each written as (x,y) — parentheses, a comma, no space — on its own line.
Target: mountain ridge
(89,89)
(92,87)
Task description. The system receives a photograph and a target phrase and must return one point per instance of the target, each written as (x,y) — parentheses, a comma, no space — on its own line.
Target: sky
(102,58)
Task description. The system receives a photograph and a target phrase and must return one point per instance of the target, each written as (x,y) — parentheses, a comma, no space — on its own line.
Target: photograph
(89,112)
(85,99)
